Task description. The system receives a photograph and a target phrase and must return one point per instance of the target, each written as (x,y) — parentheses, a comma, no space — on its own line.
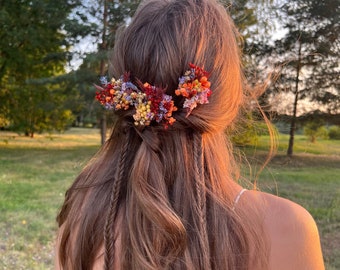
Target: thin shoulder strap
(238,197)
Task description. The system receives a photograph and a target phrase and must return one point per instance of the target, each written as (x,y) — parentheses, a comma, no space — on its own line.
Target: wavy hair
(156,198)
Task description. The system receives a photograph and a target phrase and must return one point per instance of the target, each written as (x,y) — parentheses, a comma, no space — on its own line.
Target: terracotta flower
(195,87)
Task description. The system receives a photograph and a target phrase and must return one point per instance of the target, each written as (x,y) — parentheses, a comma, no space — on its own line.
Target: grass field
(35,173)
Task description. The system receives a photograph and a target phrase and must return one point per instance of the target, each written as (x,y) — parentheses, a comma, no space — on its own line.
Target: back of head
(165,36)
(162,196)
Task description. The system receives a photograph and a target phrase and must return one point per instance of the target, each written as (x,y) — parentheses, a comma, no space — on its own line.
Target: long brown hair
(156,198)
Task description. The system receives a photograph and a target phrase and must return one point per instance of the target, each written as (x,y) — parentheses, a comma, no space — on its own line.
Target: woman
(162,193)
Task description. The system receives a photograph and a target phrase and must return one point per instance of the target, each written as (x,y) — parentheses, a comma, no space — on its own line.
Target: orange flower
(184,92)
(203,79)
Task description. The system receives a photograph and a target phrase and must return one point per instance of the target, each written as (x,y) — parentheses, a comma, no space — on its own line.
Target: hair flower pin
(150,102)
(195,87)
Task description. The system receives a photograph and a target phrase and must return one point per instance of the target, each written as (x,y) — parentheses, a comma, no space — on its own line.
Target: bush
(314,130)
(249,131)
(4,122)
(334,132)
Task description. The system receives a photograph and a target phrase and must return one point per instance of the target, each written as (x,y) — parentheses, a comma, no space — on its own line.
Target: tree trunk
(293,121)
(103,126)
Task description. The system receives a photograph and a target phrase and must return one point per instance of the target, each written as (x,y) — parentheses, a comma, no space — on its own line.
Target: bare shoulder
(292,233)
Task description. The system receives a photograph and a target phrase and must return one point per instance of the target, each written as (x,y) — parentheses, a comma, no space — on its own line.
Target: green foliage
(108,15)
(33,47)
(243,15)
(314,130)
(334,132)
(249,130)
(38,108)
(4,122)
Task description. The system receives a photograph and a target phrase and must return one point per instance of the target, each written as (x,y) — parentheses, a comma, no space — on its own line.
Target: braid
(201,198)
(112,214)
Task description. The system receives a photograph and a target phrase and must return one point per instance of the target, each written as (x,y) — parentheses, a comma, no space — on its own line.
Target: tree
(33,46)
(308,54)
(253,21)
(107,16)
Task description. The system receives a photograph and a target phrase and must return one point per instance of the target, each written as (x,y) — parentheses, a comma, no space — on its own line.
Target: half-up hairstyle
(156,198)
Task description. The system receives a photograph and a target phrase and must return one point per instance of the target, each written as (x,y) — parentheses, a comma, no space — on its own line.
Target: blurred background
(53,52)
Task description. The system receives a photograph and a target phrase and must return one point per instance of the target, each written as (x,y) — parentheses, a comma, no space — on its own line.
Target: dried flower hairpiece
(149,101)
(195,87)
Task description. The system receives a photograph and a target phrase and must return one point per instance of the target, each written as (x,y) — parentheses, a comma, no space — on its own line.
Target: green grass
(311,177)
(318,190)
(302,145)
(35,173)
